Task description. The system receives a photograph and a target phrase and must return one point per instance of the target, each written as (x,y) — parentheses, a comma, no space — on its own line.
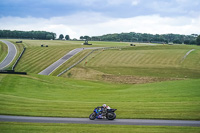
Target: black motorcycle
(101,113)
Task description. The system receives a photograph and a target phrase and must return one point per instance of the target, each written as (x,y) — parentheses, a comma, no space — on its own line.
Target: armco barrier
(84,58)
(13,68)
(11,72)
(75,63)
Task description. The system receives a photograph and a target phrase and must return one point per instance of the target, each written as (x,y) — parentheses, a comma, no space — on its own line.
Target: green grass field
(37,95)
(120,78)
(148,62)
(3,51)
(37,58)
(36,43)
(150,59)
(8,127)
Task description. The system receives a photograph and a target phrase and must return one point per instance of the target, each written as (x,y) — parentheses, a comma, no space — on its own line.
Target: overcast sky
(98,17)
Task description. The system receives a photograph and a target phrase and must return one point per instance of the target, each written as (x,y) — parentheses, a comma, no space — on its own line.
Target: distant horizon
(57,35)
(99,17)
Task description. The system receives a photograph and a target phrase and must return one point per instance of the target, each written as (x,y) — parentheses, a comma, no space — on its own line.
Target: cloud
(81,18)
(111,8)
(78,24)
(174,7)
(135,2)
(152,24)
(97,17)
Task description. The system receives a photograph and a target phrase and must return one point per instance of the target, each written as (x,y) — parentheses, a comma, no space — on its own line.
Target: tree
(26,34)
(187,42)
(177,41)
(49,37)
(134,39)
(86,37)
(61,36)
(193,42)
(81,37)
(67,37)
(198,40)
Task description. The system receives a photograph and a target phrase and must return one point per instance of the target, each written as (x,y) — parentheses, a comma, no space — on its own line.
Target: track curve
(62,60)
(12,51)
(6,118)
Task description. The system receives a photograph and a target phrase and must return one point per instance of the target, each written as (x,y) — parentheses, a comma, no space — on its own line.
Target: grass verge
(3,51)
(10,127)
(19,48)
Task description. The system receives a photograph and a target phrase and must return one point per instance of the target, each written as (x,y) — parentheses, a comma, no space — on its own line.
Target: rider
(105,106)
(101,111)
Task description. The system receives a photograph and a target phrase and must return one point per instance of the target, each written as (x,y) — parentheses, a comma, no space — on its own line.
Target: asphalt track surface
(12,51)
(62,60)
(6,118)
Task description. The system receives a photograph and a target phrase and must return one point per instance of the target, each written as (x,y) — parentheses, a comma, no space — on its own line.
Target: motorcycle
(102,113)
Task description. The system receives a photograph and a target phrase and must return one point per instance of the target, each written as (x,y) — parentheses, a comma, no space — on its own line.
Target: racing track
(65,58)
(12,51)
(62,60)
(6,118)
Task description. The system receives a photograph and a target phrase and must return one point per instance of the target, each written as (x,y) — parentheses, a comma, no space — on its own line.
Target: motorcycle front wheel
(92,116)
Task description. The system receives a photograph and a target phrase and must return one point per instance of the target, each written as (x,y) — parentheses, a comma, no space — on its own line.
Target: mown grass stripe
(3,51)
(42,59)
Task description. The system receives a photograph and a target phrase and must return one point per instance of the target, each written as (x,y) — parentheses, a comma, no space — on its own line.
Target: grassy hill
(148,63)
(37,58)
(37,95)
(140,64)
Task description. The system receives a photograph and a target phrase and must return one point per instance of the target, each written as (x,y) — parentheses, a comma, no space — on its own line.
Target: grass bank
(148,63)
(37,95)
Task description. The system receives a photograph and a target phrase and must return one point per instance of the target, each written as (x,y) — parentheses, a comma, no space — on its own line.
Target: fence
(11,72)
(18,59)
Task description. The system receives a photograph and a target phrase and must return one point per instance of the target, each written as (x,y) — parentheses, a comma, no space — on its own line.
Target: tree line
(144,37)
(119,37)
(61,36)
(27,34)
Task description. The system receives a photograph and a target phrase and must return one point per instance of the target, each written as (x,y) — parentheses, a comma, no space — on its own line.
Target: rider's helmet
(104,105)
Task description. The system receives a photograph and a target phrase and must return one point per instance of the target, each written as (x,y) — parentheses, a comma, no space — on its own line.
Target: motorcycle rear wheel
(111,116)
